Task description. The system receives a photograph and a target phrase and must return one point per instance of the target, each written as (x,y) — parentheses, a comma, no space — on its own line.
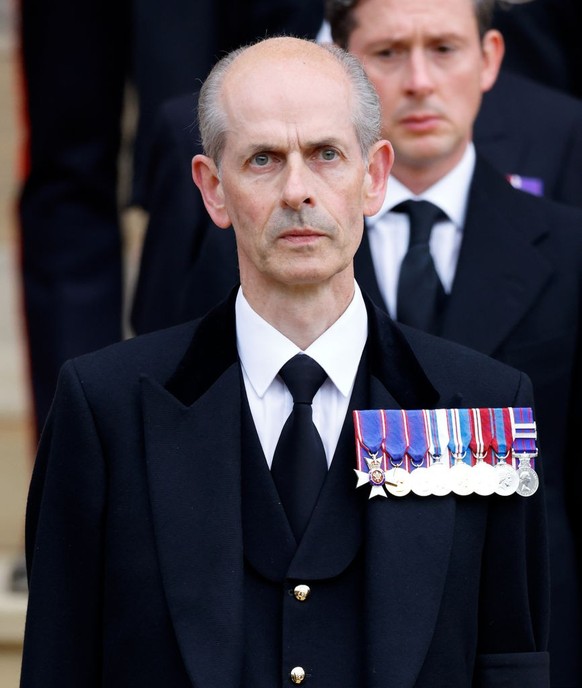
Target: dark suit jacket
(516,296)
(134,535)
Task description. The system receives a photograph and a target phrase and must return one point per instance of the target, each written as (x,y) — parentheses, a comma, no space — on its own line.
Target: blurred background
(16,424)
(16,448)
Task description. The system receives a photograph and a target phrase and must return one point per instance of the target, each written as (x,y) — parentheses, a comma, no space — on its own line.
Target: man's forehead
(273,60)
(281,49)
(401,17)
(289,89)
(279,132)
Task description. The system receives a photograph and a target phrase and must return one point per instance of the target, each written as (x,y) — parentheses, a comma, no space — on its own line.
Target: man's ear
(380,160)
(206,177)
(493,49)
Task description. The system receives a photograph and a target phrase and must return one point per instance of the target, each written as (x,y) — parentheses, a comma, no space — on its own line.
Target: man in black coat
(514,291)
(159,551)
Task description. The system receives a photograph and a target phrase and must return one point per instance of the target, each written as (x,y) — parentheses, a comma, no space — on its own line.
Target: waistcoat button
(297,675)
(301,592)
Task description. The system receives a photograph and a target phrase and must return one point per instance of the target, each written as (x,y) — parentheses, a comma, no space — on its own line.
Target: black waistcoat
(324,633)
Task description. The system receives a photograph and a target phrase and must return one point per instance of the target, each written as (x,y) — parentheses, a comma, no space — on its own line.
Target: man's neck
(302,313)
(419,178)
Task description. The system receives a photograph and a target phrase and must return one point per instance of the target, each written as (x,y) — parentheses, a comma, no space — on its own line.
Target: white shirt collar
(263,350)
(450,194)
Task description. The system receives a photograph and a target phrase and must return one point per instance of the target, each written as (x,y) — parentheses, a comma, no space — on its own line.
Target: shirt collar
(263,350)
(450,194)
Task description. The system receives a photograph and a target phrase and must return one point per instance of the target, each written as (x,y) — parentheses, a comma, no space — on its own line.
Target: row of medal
(465,451)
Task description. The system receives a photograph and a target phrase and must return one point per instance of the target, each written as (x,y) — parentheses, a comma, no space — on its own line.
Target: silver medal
(461,475)
(528,478)
(420,482)
(484,478)
(461,478)
(398,482)
(440,478)
(507,478)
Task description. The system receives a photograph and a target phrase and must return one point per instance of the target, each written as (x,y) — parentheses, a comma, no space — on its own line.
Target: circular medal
(420,482)
(398,482)
(484,478)
(507,479)
(440,479)
(462,478)
(528,481)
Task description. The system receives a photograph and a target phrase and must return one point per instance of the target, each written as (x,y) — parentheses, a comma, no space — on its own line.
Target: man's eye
(329,154)
(261,159)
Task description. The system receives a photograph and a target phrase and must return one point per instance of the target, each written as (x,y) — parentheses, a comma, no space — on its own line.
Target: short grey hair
(340,16)
(213,121)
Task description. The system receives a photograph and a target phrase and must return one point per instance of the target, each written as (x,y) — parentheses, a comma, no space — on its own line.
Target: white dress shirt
(388,231)
(263,351)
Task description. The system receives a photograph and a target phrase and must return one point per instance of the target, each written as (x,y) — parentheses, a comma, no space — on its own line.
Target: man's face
(293,181)
(430,68)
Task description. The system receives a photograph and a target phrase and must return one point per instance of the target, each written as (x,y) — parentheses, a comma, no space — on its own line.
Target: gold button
(297,675)
(301,592)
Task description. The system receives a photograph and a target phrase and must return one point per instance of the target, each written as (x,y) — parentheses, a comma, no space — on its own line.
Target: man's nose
(296,187)
(418,80)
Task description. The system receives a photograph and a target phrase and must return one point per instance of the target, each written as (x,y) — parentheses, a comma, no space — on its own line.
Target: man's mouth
(420,122)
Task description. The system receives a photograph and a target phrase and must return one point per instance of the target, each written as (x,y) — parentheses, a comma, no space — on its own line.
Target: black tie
(299,464)
(420,292)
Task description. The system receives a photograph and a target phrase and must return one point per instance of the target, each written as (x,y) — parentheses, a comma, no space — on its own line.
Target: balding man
(192,522)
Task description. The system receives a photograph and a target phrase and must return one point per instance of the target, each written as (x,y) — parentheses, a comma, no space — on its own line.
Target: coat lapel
(494,132)
(269,544)
(334,535)
(192,450)
(500,272)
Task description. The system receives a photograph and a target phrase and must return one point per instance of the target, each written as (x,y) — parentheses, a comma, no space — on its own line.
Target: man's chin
(422,155)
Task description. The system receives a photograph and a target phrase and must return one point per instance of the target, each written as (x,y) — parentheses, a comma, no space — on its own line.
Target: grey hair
(339,14)
(213,121)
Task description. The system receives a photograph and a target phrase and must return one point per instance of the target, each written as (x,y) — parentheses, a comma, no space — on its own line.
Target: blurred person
(160,548)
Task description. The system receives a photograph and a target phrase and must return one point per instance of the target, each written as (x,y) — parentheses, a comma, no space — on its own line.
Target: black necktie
(299,464)
(420,292)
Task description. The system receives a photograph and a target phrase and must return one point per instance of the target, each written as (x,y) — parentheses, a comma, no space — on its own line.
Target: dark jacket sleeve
(64,547)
